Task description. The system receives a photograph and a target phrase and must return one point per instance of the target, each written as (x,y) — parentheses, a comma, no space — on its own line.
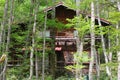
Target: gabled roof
(62,4)
(56,5)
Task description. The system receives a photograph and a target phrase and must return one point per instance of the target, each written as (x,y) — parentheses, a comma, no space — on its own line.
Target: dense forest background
(24,51)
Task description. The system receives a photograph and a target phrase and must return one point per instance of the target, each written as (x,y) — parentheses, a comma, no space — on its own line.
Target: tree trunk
(8,38)
(1,36)
(117,43)
(118,51)
(110,52)
(52,55)
(3,22)
(33,43)
(36,66)
(92,41)
(96,58)
(79,42)
(118,4)
(104,48)
(44,44)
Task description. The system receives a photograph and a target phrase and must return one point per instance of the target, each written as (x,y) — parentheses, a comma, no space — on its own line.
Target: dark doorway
(60,59)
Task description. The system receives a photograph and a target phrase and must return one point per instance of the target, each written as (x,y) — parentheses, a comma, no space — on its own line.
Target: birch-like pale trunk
(36,56)
(104,48)
(110,52)
(79,44)
(33,44)
(8,38)
(106,57)
(31,63)
(1,34)
(103,45)
(118,4)
(118,52)
(117,43)
(92,41)
(3,22)
(44,43)
(97,58)
(36,66)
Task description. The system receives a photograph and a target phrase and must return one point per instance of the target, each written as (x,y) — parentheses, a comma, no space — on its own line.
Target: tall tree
(36,56)
(53,32)
(33,39)
(103,44)
(44,44)
(92,34)
(8,37)
(79,42)
(3,22)
(117,42)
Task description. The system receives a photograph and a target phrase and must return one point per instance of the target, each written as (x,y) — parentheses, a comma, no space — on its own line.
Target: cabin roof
(56,5)
(62,4)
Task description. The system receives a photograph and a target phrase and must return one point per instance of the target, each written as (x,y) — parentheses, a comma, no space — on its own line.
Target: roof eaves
(51,7)
(61,3)
(101,19)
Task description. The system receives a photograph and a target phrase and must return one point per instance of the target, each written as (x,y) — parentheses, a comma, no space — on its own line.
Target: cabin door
(60,59)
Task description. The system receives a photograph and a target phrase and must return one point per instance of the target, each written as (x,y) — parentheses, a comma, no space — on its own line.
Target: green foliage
(55,24)
(113,32)
(114,17)
(18,73)
(80,24)
(22,11)
(80,59)
(113,65)
(65,78)
(18,37)
(2,3)
(105,77)
(85,4)
(12,77)
(83,58)
(71,4)
(101,30)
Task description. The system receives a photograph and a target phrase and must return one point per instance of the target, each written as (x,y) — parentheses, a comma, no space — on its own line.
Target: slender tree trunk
(117,43)
(30,22)
(33,43)
(92,41)
(118,52)
(36,66)
(110,52)
(1,35)
(106,58)
(44,43)
(8,37)
(96,58)
(3,22)
(36,56)
(118,4)
(104,48)
(79,42)
(53,54)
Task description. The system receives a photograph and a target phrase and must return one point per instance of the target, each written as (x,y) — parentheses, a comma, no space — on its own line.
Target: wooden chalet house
(65,40)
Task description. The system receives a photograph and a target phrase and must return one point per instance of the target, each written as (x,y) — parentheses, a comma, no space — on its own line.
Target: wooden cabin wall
(62,13)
